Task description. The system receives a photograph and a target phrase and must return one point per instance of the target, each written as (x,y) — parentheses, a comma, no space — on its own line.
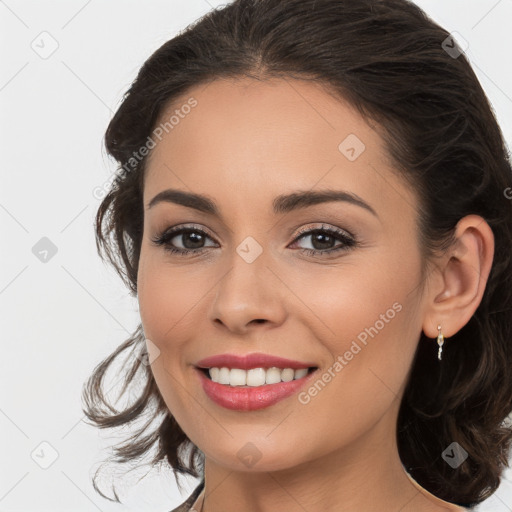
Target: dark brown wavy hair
(390,61)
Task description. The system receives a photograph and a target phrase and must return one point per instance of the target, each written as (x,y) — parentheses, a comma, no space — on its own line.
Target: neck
(367,475)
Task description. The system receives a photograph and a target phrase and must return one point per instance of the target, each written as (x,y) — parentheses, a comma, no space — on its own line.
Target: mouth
(229,389)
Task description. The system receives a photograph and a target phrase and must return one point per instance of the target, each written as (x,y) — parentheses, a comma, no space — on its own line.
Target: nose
(249,294)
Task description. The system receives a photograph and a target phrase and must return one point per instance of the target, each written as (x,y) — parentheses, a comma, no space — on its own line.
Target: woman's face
(253,284)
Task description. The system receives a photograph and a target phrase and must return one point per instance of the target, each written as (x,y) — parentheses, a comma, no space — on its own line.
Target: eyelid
(324,227)
(176,229)
(296,233)
(348,241)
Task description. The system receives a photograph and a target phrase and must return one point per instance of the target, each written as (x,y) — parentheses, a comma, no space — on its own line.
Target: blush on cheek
(168,313)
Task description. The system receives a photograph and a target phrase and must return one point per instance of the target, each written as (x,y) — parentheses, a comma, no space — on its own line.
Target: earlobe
(462,278)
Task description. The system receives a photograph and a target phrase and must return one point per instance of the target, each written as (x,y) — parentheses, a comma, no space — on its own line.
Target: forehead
(265,138)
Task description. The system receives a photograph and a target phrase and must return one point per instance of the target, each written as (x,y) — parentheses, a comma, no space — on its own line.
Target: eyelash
(349,241)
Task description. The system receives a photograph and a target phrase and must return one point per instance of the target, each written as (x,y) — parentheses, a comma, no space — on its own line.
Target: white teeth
(255,376)
(273,376)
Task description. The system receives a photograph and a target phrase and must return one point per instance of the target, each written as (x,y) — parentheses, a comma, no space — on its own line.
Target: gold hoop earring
(440,342)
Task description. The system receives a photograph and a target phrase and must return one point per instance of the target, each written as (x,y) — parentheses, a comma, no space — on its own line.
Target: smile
(243,397)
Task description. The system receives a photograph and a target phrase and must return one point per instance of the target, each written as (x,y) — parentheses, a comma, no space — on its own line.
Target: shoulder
(185,506)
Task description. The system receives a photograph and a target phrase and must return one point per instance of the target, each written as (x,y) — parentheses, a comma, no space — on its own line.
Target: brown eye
(323,240)
(191,239)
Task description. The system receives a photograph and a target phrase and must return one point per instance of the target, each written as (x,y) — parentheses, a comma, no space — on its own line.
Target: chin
(253,457)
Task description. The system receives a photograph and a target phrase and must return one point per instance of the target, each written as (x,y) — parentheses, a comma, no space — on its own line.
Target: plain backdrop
(65,66)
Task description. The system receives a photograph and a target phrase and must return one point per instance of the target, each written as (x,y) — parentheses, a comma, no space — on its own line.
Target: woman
(313,210)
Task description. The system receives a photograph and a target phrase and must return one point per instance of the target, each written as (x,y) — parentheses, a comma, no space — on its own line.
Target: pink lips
(249,398)
(248,361)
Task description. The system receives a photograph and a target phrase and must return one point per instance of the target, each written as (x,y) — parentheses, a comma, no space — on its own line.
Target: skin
(245,143)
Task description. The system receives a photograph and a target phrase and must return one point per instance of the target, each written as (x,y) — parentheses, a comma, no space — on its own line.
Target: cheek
(359,292)
(371,356)
(167,297)
(166,303)
(372,324)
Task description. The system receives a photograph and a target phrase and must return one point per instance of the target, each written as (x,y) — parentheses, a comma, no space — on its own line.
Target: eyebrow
(281,204)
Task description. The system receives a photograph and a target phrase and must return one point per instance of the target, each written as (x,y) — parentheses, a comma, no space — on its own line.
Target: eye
(324,238)
(191,238)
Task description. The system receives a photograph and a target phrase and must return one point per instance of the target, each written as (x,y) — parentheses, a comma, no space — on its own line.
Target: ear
(457,286)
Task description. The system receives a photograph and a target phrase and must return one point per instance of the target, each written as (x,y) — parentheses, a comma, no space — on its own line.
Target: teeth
(255,376)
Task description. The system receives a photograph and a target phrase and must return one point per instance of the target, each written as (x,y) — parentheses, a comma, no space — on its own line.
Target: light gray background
(60,318)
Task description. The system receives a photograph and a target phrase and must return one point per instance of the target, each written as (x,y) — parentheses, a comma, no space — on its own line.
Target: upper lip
(248,361)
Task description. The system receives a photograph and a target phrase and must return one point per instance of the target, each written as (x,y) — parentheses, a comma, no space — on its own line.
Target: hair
(387,59)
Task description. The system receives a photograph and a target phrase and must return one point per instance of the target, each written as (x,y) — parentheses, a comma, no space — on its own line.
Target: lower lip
(241,398)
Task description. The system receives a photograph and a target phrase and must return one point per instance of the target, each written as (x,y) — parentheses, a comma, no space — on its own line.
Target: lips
(249,361)
(251,398)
